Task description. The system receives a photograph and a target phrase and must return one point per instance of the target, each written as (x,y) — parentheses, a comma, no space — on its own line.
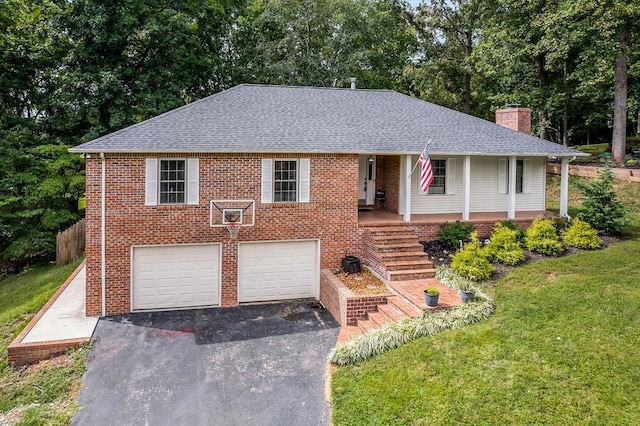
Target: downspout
(103,260)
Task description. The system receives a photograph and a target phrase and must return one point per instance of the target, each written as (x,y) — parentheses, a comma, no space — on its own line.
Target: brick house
(313,168)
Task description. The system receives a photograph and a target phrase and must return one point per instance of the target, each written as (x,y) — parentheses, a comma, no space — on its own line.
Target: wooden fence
(70,244)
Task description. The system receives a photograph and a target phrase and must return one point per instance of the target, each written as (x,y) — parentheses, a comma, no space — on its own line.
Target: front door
(366,180)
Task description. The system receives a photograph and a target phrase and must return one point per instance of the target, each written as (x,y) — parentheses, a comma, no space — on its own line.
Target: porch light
(371,159)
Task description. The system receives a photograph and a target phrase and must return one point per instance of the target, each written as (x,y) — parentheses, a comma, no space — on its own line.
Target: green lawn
(561,349)
(49,389)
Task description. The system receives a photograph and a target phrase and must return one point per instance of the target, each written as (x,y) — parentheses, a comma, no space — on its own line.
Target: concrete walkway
(65,319)
(60,324)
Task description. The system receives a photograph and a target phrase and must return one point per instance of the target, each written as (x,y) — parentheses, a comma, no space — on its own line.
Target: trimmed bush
(472,261)
(541,237)
(581,235)
(504,246)
(451,234)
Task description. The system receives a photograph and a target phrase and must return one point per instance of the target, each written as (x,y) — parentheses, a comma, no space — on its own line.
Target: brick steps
(399,252)
(403,265)
(411,274)
(396,309)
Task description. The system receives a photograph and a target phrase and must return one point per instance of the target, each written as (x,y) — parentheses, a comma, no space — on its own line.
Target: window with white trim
(285,181)
(439,184)
(172,181)
(519,175)
(523,176)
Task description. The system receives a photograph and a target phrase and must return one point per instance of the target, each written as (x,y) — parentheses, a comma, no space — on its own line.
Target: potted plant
(466,291)
(431,296)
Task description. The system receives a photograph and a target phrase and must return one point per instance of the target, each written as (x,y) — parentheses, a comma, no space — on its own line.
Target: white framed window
(285,180)
(171,181)
(444,177)
(439,185)
(523,176)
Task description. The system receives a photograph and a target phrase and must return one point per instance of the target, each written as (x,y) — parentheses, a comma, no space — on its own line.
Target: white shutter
(502,176)
(193,185)
(526,176)
(267,180)
(305,166)
(151,182)
(450,170)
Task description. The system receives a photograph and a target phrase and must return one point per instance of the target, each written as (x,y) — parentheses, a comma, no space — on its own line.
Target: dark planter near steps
(467,296)
(431,300)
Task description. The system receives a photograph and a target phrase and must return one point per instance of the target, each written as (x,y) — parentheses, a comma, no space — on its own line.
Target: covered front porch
(470,187)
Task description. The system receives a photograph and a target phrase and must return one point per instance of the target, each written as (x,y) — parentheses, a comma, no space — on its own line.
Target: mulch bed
(440,256)
(363,283)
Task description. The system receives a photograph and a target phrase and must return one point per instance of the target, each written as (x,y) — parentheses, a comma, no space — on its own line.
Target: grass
(44,393)
(558,350)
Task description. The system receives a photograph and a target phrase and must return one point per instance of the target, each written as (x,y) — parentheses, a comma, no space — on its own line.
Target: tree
(323,43)
(456,26)
(131,60)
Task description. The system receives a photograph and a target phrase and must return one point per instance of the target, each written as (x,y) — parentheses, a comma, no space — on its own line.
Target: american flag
(426,172)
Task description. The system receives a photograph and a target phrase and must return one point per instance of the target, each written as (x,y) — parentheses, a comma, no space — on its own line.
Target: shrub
(432,291)
(504,246)
(451,233)
(601,208)
(472,261)
(581,235)
(541,237)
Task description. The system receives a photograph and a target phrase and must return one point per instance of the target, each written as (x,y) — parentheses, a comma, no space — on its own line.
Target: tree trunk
(467,75)
(619,137)
(543,84)
(638,124)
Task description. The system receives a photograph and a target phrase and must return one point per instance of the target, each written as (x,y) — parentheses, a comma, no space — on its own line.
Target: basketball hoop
(233,228)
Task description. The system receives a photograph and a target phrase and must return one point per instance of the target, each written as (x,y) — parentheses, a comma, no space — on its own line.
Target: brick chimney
(515,118)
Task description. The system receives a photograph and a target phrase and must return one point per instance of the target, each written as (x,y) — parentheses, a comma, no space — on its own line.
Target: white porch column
(407,189)
(511,210)
(564,187)
(466,177)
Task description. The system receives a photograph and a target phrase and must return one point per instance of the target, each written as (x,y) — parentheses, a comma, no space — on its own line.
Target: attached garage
(175,276)
(278,270)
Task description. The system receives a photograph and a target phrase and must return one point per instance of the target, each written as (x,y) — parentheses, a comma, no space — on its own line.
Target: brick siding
(331,216)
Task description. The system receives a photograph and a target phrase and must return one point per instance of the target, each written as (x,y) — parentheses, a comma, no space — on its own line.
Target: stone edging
(28,353)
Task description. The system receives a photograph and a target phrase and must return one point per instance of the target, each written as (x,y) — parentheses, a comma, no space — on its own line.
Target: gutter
(103,261)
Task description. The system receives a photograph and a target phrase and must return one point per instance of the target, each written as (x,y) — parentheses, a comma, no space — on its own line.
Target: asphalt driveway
(251,365)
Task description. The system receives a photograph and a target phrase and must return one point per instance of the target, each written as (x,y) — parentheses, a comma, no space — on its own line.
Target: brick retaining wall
(345,306)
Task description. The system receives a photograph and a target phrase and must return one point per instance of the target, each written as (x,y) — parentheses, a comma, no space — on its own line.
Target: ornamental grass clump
(542,237)
(581,235)
(393,335)
(472,262)
(504,246)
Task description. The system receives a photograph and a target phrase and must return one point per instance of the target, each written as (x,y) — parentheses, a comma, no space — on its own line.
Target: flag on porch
(426,172)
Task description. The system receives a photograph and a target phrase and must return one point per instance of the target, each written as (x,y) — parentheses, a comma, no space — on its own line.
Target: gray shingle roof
(279,119)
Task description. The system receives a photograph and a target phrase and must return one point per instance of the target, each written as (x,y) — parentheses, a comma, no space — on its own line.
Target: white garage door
(180,276)
(278,270)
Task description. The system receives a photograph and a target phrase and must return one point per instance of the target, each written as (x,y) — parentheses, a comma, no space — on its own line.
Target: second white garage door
(175,276)
(278,270)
